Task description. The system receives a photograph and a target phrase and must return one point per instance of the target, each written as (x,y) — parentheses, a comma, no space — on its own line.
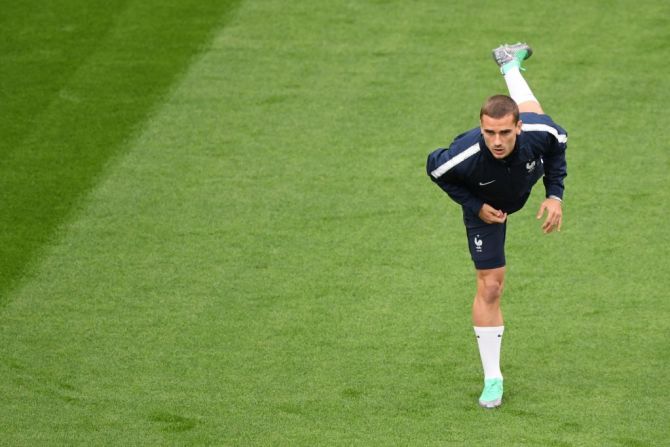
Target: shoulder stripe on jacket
(562,138)
(444,167)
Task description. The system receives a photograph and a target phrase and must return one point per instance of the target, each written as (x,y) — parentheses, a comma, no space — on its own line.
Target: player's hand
(554,215)
(491,215)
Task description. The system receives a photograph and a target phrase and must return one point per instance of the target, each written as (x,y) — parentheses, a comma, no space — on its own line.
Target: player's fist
(491,215)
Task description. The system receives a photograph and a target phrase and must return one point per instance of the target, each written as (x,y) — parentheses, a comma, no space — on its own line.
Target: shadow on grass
(76,82)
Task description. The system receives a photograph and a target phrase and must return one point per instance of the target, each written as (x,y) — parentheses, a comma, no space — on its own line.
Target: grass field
(218,230)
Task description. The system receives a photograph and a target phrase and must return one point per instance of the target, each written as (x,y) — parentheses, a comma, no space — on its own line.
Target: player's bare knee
(491,291)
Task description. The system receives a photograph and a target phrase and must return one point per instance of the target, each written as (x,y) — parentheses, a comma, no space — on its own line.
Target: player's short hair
(498,106)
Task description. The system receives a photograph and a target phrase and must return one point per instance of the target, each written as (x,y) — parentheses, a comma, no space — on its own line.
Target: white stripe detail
(444,167)
(545,128)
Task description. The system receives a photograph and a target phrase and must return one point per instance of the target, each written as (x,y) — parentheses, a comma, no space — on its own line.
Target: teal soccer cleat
(492,395)
(509,56)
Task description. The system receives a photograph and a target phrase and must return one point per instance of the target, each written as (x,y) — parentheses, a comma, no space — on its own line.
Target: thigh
(486,242)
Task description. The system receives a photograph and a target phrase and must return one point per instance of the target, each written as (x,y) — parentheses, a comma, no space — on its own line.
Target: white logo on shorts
(478,244)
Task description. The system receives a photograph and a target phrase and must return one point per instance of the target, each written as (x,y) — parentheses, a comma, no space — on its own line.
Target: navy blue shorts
(486,241)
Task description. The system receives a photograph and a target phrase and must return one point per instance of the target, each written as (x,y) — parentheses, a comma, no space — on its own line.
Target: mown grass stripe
(77,81)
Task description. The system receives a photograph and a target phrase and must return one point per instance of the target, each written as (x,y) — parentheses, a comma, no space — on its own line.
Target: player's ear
(518,127)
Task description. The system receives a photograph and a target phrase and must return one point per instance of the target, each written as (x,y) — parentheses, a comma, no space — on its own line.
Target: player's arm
(450,182)
(555,171)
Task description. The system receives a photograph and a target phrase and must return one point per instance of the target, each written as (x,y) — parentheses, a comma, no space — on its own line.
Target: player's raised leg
(509,58)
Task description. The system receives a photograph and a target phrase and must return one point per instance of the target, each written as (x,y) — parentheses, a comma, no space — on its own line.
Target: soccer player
(490,171)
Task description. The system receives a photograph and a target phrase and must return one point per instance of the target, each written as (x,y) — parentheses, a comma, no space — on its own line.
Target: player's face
(500,134)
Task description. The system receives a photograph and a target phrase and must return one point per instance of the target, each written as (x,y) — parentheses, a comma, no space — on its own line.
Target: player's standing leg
(489,327)
(486,242)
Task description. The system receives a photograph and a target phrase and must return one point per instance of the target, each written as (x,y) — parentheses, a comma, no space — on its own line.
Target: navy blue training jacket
(472,176)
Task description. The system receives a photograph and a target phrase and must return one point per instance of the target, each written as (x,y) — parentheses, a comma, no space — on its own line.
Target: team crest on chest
(530,166)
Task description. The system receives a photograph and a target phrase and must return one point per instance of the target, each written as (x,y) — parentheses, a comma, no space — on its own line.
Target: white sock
(518,87)
(489,340)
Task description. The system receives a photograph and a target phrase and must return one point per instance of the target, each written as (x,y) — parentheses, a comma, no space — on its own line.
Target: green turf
(261,259)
